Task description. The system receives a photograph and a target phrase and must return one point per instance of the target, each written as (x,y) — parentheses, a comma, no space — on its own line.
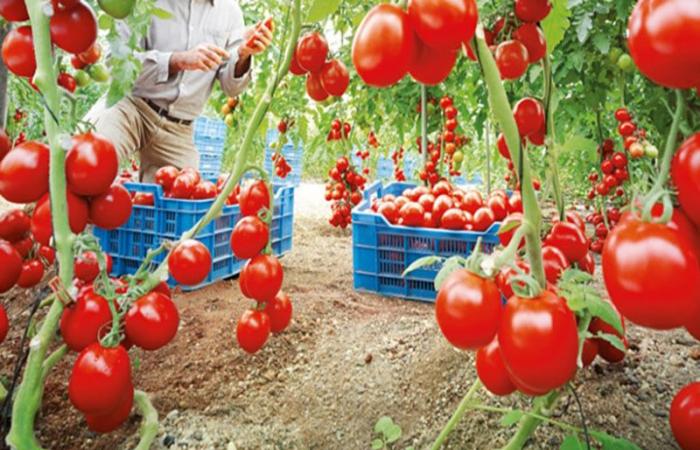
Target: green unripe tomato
(625,63)
(82,79)
(228,120)
(458,157)
(614,54)
(119,9)
(651,151)
(98,72)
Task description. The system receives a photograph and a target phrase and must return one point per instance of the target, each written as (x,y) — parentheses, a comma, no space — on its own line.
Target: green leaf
(612,339)
(556,24)
(613,443)
(453,263)
(105,21)
(377,444)
(509,226)
(512,417)
(321,9)
(393,434)
(383,424)
(601,308)
(602,42)
(161,13)
(572,442)
(422,262)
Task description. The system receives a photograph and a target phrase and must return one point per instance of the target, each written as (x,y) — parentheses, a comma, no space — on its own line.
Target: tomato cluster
(262,275)
(445,206)
(186,184)
(282,168)
(339,131)
(344,191)
(324,78)
(423,41)
(227,109)
(397,157)
(372,140)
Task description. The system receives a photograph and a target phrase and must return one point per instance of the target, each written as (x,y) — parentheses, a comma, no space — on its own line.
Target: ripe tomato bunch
(149,322)
(186,184)
(517,40)
(423,41)
(284,125)
(339,131)
(227,110)
(87,66)
(634,138)
(93,195)
(372,140)
(262,275)
(324,78)
(445,206)
(344,191)
(282,168)
(73,27)
(397,157)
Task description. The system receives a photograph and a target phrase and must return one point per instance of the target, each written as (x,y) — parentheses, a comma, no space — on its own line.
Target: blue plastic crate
(382,251)
(209,130)
(293,155)
(149,226)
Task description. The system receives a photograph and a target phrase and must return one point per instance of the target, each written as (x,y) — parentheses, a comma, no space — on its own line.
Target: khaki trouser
(133,126)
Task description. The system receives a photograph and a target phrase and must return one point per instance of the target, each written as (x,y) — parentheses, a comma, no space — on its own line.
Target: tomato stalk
(504,116)
(550,138)
(665,168)
(30,390)
(532,420)
(465,405)
(149,425)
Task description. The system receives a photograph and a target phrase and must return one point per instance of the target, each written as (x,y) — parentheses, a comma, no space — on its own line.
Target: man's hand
(257,39)
(204,57)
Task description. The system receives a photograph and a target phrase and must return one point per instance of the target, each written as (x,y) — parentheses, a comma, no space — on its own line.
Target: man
(183,56)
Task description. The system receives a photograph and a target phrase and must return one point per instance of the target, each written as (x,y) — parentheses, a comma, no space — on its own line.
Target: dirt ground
(347,360)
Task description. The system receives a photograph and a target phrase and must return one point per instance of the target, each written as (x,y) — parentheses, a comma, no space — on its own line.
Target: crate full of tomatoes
(175,203)
(400,223)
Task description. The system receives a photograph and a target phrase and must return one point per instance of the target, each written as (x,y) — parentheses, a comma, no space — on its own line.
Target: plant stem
(531,421)
(550,137)
(466,404)
(149,426)
(30,391)
(504,116)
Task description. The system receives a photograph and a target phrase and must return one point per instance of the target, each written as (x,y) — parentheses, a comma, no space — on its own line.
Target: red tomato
(589,352)
(685,172)
(529,115)
(24,246)
(497,205)
(48,255)
(555,263)
(87,267)
(11,263)
(249,237)
(515,203)
(532,10)
(14,10)
(111,209)
(505,237)
(650,271)
(383,46)
(92,164)
(492,370)
(4,324)
(190,262)
(533,39)
(483,219)
(389,211)
(503,146)
(152,321)
(606,350)
(575,218)
(32,273)
(143,199)
(685,417)
(103,370)
(14,225)
(91,55)
(468,310)
(67,82)
(314,88)
(18,52)
(74,30)
(472,202)
(412,214)
(427,201)
(443,24)
(165,176)
(441,205)
(184,185)
(254,197)
(5,144)
(335,77)
(263,278)
(253,330)
(106,423)
(24,173)
(587,264)
(453,219)
(294,66)
(311,52)
(512,59)
(84,322)
(430,66)
(41,225)
(279,310)
(204,190)
(568,238)
(660,35)
(539,342)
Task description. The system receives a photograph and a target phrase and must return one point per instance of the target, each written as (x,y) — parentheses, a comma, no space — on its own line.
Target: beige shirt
(193,22)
